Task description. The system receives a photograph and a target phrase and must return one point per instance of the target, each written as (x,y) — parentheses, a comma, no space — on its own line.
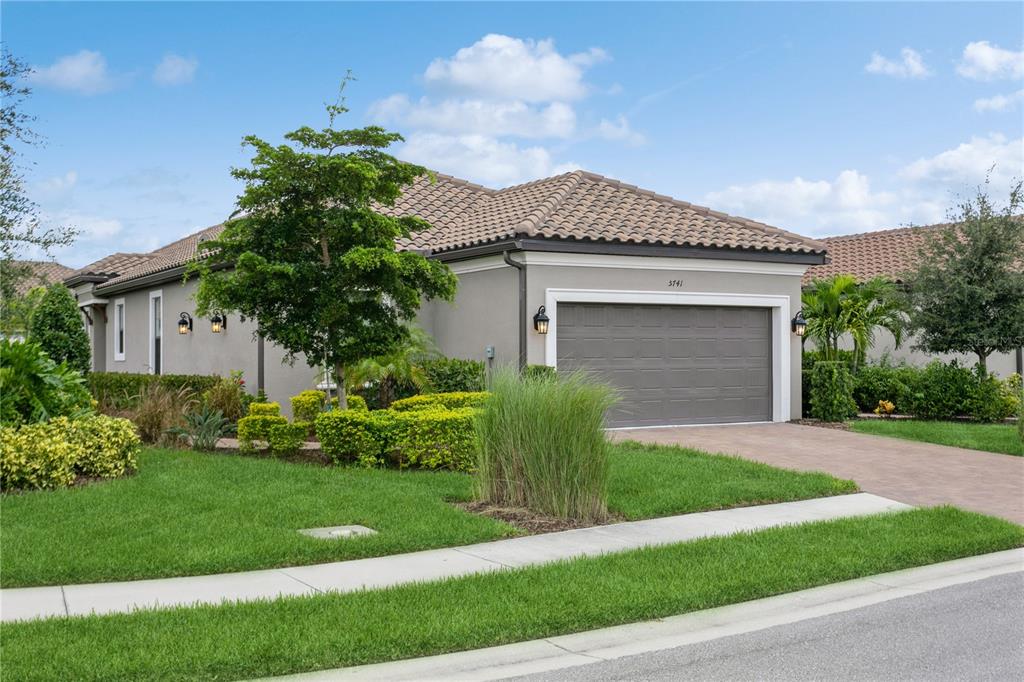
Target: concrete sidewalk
(347,576)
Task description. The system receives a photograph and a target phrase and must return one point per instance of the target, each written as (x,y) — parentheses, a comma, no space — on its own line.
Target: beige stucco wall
(654,275)
(1003,364)
(201,351)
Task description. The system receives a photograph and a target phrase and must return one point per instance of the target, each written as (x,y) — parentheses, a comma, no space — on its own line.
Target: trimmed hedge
(832,392)
(451,375)
(51,454)
(265,410)
(308,404)
(939,390)
(256,427)
(286,439)
(432,438)
(450,401)
(355,402)
(120,389)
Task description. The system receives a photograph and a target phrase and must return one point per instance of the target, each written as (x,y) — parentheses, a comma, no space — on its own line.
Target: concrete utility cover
(335,532)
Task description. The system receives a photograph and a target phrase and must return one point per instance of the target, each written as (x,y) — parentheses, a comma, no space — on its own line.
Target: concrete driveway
(921,474)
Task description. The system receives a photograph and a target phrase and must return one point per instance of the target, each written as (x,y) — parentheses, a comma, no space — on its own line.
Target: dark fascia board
(152,279)
(75,280)
(619,249)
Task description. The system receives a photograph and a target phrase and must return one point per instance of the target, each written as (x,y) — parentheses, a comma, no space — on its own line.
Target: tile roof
(579,206)
(886,253)
(40,273)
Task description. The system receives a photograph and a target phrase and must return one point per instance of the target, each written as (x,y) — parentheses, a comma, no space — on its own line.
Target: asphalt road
(973,631)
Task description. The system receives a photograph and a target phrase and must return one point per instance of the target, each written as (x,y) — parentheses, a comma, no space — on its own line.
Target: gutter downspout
(522,306)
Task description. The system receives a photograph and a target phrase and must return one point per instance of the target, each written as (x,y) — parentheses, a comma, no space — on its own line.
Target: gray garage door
(673,364)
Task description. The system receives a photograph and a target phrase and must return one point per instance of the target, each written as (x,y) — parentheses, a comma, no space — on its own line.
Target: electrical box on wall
(489,352)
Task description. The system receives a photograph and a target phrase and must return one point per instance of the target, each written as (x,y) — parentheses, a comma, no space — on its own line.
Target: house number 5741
(675,282)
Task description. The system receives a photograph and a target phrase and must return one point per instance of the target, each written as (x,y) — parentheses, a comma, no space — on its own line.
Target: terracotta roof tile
(887,253)
(40,273)
(576,206)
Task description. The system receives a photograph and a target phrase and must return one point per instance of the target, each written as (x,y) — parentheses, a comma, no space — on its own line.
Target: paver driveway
(921,474)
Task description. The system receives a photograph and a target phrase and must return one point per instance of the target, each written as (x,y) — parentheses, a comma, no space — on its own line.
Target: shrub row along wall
(420,432)
(936,391)
(120,390)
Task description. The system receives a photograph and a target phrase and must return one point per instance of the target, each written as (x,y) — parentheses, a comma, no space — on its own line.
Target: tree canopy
(310,255)
(967,292)
(56,325)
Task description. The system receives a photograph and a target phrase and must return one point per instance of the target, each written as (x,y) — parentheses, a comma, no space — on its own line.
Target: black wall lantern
(541,320)
(218,321)
(184,323)
(799,323)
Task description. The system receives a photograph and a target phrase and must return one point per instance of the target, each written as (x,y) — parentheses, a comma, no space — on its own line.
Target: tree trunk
(983,362)
(339,380)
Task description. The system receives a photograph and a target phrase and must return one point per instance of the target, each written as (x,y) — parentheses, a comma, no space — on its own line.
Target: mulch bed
(526,520)
(838,426)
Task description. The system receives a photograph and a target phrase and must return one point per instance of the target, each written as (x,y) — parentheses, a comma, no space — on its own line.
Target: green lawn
(1001,438)
(186,513)
(324,631)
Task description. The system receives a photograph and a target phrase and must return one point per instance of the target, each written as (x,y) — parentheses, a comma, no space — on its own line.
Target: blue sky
(819,118)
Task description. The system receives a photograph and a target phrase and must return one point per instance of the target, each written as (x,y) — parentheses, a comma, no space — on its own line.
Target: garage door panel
(672,364)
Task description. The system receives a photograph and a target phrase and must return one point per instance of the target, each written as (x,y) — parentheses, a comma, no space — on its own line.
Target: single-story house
(686,310)
(892,254)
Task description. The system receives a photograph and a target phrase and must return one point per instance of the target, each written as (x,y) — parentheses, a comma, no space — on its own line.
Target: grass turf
(1001,438)
(187,513)
(308,633)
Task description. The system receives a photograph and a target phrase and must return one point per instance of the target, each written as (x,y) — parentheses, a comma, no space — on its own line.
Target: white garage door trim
(780,325)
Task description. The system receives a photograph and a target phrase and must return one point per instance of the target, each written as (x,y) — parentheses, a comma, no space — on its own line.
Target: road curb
(567,651)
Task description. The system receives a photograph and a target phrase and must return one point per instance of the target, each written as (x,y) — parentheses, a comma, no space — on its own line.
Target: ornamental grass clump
(541,445)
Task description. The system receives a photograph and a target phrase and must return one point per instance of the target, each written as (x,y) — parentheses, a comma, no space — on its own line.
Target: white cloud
(84,72)
(920,193)
(481,158)
(506,67)
(910,65)
(59,184)
(619,130)
(983,61)
(476,116)
(89,227)
(174,69)
(810,206)
(999,102)
(970,162)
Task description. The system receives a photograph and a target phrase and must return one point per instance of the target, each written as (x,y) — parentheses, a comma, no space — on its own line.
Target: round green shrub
(56,325)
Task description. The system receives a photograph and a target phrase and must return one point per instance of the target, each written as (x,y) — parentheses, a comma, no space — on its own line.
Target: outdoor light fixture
(799,323)
(218,321)
(540,321)
(184,323)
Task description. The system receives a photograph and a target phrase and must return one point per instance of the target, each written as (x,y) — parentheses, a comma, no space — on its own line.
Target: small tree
(56,325)
(312,259)
(967,293)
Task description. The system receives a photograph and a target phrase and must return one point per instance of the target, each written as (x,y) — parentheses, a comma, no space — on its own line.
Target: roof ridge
(465,183)
(533,220)
(891,230)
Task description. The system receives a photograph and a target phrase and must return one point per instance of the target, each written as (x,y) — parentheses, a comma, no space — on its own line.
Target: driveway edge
(567,651)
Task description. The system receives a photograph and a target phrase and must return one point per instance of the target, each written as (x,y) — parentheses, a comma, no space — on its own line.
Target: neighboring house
(892,254)
(38,274)
(687,310)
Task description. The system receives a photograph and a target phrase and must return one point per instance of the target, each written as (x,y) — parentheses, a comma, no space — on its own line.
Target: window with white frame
(119,330)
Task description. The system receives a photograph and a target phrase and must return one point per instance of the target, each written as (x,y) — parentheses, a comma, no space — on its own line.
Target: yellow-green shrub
(110,446)
(355,402)
(451,401)
(287,439)
(38,455)
(264,409)
(307,405)
(256,427)
(353,435)
(436,438)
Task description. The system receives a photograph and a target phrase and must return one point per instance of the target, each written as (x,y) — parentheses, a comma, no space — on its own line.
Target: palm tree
(389,373)
(839,306)
(875,304)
